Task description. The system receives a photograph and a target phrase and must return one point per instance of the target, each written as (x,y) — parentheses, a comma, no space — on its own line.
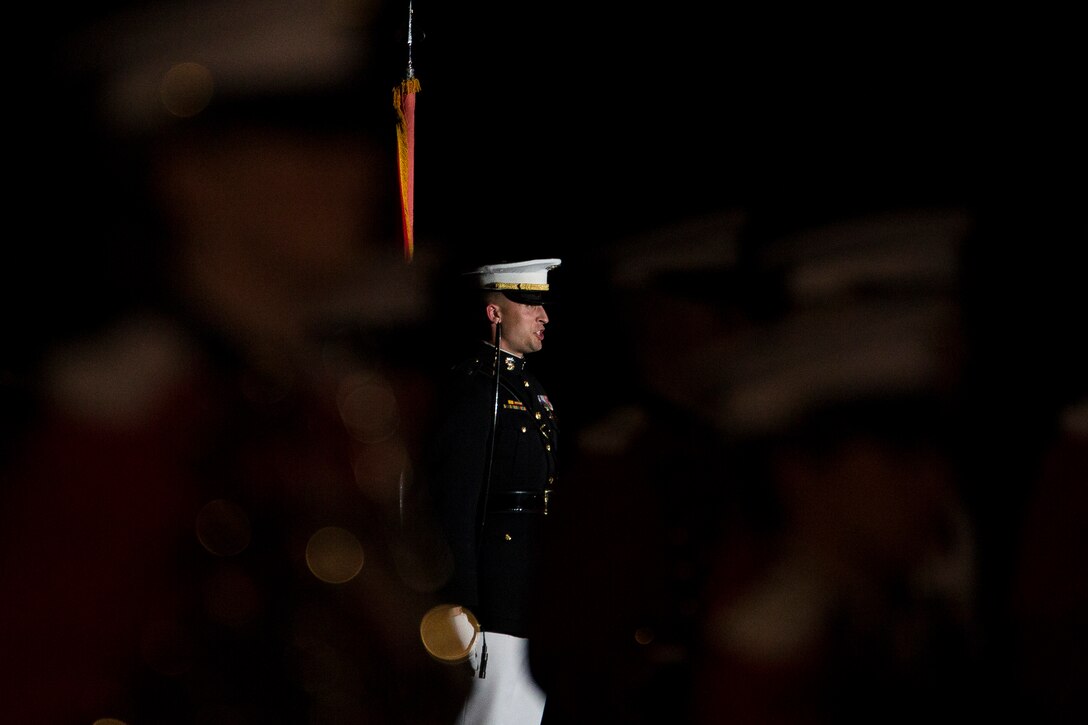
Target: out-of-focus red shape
(404,100)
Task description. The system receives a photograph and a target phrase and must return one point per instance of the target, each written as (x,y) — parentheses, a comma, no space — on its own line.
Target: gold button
(508,537)
(548,447)
(525,383)
(551,479)
(538,415)
(523,429)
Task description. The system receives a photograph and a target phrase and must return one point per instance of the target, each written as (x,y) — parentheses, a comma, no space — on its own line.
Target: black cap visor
(529,297)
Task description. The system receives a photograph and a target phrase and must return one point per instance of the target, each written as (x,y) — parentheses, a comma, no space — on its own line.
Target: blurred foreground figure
(765,523)
(647,482)
(859,602)
(1049,603)
(208,520)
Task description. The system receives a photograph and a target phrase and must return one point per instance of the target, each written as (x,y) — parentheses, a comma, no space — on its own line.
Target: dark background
(560,129)
(565,129)
(594,120)
(556,129)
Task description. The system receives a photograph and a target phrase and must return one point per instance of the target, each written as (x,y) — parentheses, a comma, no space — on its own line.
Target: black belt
(518,502)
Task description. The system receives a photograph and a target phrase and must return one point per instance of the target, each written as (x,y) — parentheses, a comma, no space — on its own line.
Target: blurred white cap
(695,245)
(873,314)
(168,60)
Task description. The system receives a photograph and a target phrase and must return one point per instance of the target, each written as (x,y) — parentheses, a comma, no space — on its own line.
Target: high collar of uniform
(508,362)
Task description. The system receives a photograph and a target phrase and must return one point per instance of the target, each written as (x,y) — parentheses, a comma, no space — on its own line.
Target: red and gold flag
(404,101)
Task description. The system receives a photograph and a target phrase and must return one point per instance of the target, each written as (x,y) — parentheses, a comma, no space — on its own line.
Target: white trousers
(508,694)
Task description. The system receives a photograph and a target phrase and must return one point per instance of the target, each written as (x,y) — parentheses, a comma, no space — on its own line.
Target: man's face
(522,325)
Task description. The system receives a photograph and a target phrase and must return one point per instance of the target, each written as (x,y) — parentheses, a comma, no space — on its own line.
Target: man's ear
(494,314)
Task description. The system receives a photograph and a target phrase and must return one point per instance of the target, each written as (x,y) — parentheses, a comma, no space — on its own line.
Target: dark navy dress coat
(492,474)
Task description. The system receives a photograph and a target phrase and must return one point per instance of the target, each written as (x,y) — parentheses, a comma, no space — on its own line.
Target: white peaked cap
(528,276)
(524,282)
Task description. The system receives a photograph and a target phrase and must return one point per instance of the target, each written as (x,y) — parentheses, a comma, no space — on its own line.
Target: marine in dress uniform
(494,469)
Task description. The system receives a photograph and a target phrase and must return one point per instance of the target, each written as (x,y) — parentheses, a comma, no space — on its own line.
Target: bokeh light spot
(448,632)
(334,555)
(187,89)
(368,408)
(644,635)
(223,528)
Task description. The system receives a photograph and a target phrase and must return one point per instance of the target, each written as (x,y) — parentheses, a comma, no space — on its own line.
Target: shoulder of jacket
(471,366)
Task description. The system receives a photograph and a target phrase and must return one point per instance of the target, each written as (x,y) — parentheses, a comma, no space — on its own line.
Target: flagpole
(411,15)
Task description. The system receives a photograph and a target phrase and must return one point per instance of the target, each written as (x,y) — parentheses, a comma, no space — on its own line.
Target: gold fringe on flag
(404,100)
